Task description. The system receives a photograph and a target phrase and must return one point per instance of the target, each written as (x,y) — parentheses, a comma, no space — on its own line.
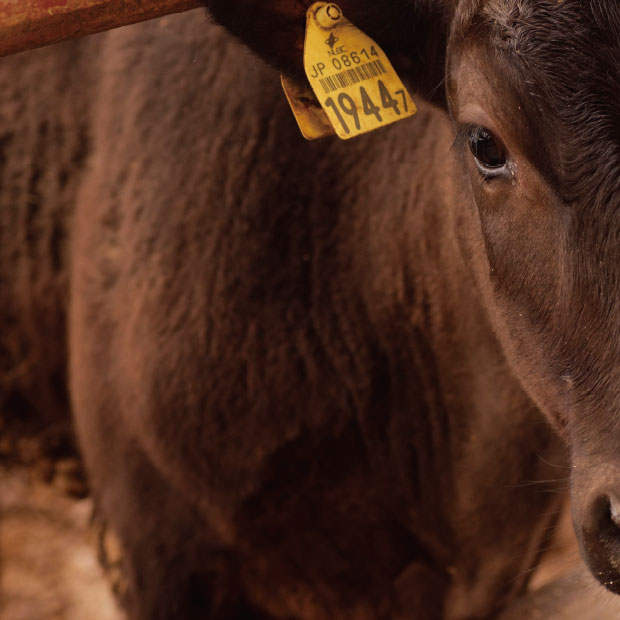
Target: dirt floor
(49,570)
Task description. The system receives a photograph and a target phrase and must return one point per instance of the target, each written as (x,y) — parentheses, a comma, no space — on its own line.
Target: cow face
(534,90)
(533,87)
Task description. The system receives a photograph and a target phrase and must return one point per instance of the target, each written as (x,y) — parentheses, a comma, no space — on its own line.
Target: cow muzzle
(597,524)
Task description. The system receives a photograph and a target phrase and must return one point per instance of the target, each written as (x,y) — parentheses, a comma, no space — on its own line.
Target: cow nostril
(607,520)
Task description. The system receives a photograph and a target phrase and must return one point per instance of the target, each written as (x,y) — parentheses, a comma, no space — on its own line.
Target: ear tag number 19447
(352,78)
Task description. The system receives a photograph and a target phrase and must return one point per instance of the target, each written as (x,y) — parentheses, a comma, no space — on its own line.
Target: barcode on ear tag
(351,75)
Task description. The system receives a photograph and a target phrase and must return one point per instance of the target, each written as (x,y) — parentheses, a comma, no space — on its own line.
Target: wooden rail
(26,24)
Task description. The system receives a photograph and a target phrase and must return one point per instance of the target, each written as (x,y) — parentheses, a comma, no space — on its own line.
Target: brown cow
(308,378)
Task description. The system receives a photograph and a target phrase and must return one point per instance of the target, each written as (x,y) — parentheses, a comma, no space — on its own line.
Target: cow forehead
(539,28)
(553,18)
(561,59)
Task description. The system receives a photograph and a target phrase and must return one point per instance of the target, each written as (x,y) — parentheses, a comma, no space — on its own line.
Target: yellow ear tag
(313,122)
(350,74)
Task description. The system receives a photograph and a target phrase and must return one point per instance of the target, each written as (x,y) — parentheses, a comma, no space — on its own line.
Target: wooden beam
(26,24)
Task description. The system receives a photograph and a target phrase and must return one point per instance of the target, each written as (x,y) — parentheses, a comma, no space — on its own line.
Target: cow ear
(413,33)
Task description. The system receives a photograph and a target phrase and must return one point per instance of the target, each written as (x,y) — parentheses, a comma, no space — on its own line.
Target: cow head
(533,88)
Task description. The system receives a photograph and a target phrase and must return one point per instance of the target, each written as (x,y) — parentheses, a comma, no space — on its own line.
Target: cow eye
(489,154)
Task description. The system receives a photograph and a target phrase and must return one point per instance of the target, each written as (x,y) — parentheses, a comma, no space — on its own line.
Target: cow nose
(600,539)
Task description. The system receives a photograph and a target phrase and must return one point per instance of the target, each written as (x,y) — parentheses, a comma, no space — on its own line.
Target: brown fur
(44,140)
(307,378)
(259,326)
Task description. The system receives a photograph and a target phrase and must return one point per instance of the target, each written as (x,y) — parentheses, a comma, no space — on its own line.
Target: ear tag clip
(351,77)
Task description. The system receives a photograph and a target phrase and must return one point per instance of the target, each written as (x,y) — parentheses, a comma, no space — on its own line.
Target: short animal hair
(546,50)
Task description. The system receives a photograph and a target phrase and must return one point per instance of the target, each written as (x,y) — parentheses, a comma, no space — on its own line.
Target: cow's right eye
(487,151)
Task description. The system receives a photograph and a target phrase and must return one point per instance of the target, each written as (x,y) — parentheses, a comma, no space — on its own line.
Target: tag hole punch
(328,16)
